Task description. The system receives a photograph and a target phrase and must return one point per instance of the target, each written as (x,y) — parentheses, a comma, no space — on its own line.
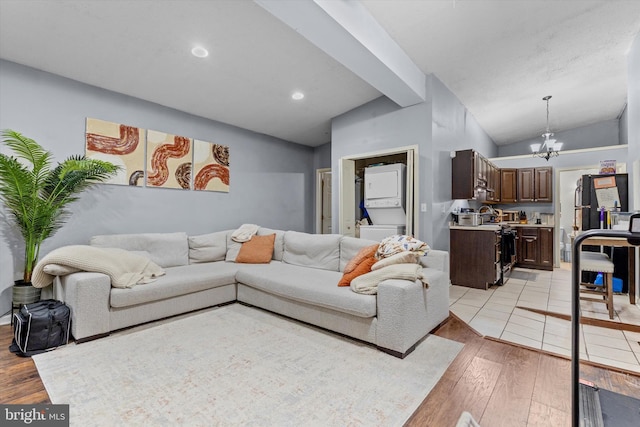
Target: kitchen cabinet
(508,185)
(473,177)
(534,185)
(467,175)
(535,247)
(474,258)
(543,190)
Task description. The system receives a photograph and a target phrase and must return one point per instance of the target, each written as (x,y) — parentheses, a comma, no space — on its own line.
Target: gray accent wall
(437,126)
(272,181)
(599,134)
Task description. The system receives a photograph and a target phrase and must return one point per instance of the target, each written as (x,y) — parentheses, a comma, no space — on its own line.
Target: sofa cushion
(364,253)
(177,281)
(165,249)
(278,245)
(258,250)
(320,251)
(363,267)
(317,287)
(350,246)
(208,247)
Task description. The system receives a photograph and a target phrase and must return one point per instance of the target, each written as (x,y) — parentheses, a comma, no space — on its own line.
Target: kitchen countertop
(495,226)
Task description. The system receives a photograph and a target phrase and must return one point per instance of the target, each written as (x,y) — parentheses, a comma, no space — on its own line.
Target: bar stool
(598,263)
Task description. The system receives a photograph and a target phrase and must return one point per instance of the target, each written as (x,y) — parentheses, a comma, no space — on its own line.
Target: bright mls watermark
(34,415)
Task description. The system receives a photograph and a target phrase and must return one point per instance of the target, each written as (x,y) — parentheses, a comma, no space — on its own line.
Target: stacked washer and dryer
(384,199)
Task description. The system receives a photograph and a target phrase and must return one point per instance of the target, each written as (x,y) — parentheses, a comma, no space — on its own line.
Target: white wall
(272,181)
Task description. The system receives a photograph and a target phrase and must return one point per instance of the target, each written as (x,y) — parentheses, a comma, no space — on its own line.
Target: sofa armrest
(436,259)
(407,311)
(87,295)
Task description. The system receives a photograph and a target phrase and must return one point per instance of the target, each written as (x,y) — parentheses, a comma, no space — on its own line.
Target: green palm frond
(37,195)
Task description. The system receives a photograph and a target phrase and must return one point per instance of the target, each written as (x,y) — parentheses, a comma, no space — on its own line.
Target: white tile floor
(494,313)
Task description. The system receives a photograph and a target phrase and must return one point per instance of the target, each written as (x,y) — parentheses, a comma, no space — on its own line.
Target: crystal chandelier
(549,148)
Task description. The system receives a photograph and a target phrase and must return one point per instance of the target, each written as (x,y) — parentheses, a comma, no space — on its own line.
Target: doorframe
(621,167)
(319,173)
(346,188)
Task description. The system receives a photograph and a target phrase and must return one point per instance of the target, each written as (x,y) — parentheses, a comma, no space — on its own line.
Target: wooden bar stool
(598,263)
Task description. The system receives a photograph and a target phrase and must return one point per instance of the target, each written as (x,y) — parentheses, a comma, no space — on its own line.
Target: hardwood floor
(501,384)
(498,383)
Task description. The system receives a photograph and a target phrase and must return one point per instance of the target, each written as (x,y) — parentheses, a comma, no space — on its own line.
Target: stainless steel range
(508,238)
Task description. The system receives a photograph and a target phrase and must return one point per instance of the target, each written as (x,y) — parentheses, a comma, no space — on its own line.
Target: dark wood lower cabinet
(535,247)
(474,258)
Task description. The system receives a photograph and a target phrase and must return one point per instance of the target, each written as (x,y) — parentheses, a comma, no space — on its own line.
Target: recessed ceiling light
(297,96)
(200,52)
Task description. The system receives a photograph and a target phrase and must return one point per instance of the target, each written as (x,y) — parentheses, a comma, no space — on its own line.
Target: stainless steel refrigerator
(590,206)
(591,219)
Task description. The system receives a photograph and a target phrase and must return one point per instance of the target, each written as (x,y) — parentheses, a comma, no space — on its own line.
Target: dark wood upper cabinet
(543,189)
(508,185)
(534,184)
(469,175)
(464,174)
(473,177)
(526,179)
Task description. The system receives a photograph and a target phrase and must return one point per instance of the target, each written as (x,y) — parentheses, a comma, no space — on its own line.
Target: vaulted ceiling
(498,57)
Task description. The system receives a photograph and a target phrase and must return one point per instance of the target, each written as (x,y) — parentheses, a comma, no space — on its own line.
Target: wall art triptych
(158,159)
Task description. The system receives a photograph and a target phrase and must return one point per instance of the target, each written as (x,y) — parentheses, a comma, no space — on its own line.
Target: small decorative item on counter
(523,217)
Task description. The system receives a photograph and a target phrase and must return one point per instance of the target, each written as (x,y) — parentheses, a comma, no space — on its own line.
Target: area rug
(239,365)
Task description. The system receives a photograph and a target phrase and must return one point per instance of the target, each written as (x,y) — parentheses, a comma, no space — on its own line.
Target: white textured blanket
(244,233)
(125,268)
(368,283)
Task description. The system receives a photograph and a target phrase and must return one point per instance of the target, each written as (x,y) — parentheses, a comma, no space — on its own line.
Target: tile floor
(494,313)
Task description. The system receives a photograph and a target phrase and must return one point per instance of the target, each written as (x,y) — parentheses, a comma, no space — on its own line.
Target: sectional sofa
(299,282)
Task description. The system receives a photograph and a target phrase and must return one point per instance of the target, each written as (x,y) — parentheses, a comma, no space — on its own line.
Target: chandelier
(549,148)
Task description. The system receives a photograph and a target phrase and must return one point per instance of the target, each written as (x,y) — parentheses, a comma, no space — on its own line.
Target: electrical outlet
(444,209)
(423,207)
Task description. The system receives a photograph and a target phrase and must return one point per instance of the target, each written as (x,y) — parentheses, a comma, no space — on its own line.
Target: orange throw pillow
(362,268)
(258,250)
(366,252)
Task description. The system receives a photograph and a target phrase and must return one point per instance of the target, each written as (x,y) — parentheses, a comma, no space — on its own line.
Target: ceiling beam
(347,32)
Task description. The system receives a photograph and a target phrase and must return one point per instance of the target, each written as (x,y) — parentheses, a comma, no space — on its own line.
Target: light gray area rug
(237,365)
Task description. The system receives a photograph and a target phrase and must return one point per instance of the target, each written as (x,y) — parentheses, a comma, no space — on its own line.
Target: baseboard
(6,319)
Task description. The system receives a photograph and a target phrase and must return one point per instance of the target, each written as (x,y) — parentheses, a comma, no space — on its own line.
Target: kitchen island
(481,256)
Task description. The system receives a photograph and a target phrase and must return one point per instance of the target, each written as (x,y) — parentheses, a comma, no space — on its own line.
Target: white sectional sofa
(300,282)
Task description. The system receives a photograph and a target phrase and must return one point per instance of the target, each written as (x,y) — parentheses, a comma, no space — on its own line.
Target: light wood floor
(498,383)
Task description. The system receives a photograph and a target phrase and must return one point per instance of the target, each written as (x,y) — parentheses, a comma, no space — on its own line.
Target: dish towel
(244,233)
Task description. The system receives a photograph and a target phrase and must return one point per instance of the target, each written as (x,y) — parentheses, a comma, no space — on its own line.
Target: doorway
(351,173)
(565,212)
(323,201)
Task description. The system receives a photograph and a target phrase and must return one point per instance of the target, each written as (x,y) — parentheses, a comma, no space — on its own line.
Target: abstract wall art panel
(119,144)
(168,160)
(210,166)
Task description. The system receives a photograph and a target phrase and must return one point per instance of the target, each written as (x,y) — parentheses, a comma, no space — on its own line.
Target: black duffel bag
(40,326)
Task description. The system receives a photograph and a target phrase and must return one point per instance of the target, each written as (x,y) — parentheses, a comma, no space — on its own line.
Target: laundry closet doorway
(351,186)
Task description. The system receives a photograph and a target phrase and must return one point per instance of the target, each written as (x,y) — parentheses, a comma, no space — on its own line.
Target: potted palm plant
(36,194)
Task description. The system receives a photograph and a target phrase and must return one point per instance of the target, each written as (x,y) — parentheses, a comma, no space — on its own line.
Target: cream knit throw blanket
(125,268)
(368,283)
(244,233)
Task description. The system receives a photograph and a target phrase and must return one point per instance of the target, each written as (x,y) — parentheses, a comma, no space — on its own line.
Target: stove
(508,237)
